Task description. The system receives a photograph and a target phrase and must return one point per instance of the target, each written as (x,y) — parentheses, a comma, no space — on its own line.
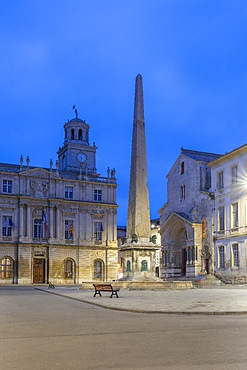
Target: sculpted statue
(134,238)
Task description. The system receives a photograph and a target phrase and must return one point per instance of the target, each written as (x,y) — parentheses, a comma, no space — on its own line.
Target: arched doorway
(69,269)
(98,270)
(157,271)
(206,259)
(177,256)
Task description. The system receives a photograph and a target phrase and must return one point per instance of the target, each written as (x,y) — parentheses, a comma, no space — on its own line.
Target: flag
(71,229)
(11,223)
(44,222)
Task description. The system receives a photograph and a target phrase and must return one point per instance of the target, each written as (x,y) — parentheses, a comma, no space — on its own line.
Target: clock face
(81,157)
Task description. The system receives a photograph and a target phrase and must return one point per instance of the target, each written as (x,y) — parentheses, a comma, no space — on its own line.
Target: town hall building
(59,223)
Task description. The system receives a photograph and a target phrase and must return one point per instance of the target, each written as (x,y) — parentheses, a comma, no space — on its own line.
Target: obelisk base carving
(139,261)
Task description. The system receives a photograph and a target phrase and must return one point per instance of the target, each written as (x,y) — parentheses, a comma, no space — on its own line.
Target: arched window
(157,271)
(182,168)
(80,134)
(98,269)
(68,268)
(182,192)
(128,266)
(144,266)
(6,268)
(72,134)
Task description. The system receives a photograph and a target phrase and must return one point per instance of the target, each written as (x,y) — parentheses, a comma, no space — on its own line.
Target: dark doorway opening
(183,267)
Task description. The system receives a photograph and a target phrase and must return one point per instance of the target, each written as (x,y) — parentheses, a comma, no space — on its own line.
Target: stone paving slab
(210,301)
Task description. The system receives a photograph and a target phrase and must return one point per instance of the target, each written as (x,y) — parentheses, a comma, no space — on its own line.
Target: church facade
(59,223)
(186,218)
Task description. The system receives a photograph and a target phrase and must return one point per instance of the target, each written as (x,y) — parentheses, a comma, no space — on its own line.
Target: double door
(38,270)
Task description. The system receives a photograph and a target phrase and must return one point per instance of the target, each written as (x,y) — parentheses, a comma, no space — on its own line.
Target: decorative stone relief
(7,207)
(84,210)
(69,210)
(39,188)
(144,253)
(39,251)
(98,213)
(37,212)
(39,173)
(128,254)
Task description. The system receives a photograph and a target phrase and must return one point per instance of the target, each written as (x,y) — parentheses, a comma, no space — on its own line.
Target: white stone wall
(231,193)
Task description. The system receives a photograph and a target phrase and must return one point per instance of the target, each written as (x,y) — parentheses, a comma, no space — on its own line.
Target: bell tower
(76,153)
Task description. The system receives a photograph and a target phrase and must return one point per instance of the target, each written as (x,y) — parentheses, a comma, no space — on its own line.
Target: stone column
(21,220)
(29,224)
(51,223)
(114,220)
(77,225)
(58,222)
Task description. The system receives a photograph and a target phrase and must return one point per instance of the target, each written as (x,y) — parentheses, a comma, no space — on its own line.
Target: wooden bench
(51,286)
(105,288)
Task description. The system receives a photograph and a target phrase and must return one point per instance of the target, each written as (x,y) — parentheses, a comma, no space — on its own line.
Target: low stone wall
(233,279)
(142,285)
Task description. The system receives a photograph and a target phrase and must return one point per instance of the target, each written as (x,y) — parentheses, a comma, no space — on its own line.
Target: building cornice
(236,152)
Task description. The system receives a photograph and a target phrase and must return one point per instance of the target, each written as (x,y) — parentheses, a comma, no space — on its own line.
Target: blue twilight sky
(192,55)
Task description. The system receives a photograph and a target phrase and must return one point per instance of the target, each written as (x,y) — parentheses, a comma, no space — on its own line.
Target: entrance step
(206,281)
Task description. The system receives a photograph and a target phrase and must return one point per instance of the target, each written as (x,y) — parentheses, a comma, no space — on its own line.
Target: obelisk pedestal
(138,253)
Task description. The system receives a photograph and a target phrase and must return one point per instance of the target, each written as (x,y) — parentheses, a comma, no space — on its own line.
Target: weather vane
(76,113)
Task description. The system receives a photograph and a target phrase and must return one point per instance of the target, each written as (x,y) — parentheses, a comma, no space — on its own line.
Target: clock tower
(76,153)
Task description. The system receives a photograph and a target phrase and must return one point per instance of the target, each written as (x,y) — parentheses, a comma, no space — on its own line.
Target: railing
(228,232)
(105,180)
(40,240)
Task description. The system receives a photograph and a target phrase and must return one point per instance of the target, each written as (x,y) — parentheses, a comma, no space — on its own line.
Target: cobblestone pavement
(211,301)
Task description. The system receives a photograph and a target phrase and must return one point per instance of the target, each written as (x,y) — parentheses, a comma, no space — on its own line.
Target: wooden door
(38,270)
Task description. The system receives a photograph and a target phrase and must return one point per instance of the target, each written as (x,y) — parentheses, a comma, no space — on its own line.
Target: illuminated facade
(59,223)
(186,218)
(229,184)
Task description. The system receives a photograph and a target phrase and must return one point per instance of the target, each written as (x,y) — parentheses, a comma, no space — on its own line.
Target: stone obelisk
(138,206)
(138,252)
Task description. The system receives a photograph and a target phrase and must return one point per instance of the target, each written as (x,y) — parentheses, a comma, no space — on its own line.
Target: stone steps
(204,281)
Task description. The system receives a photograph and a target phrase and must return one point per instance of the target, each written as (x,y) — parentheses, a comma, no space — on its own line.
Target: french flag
(11,223)
(44,221)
